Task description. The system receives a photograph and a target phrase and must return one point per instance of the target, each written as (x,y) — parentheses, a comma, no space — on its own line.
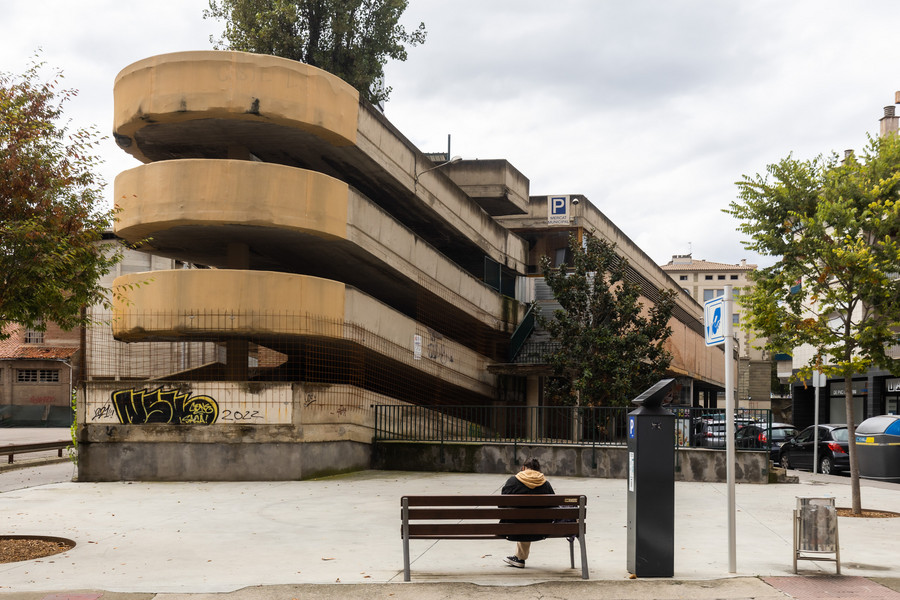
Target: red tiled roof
(39,352)
(9,345)
(14,347)
(704,265)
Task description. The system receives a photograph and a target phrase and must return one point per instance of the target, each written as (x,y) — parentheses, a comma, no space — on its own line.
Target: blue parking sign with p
(558,205)
(558,210)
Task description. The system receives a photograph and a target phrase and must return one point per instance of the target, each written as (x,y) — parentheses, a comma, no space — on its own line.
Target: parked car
(710,433)
(834,457)
(758,436)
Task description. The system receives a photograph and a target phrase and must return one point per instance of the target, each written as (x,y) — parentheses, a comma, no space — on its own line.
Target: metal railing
(11,450)
(551,425)
(535,352)
(521,334)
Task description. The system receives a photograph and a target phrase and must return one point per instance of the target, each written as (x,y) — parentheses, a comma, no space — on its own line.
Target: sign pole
(817,383)
(729,426)
(718,327)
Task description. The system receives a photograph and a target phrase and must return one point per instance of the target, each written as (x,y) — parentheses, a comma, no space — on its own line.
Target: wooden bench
(12,449)
(478,518)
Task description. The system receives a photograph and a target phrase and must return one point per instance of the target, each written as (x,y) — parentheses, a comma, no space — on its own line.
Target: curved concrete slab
(158,197)
(180,86)
(276,308)
(302,222)
(246,106)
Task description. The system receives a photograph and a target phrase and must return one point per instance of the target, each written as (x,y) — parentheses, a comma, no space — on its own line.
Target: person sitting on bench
(529,480)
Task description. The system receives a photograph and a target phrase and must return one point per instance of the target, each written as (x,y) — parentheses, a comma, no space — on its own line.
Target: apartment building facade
(704,280)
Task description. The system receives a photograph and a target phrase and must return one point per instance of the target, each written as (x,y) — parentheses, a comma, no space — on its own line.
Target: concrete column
(237,352)
(238,255)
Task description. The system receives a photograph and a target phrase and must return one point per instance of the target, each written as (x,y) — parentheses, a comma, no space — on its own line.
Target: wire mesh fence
(423,367)
(694,427)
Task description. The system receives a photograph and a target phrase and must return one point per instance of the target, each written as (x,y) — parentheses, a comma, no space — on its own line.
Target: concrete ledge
(696,465)
(167,461)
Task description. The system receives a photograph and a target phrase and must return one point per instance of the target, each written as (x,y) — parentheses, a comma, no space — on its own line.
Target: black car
(759,436)
(710,433)
(797,453)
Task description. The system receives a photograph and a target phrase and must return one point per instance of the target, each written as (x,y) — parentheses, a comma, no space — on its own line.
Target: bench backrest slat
(552,513)
(509,500)
(492,529)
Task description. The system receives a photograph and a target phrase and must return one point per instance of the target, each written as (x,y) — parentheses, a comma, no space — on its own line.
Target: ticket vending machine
(651,484)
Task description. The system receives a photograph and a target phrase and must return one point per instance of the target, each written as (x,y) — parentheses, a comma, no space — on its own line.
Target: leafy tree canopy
(352,39)
(834,226)
(51,213)
(610,346)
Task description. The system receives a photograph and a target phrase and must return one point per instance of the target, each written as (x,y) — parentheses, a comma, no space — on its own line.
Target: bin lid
(888,424)
(807,501)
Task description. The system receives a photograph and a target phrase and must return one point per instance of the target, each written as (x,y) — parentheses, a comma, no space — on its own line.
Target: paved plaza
(340,537)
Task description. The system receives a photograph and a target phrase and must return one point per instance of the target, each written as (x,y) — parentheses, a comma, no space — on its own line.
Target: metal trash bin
(878,444)
(816,530)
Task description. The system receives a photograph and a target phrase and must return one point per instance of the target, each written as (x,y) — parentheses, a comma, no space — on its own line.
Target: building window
(708,277)
(735,318)
(37,375)
(734,277)
(710,294)
(33,336)
(682,278)
(720,277)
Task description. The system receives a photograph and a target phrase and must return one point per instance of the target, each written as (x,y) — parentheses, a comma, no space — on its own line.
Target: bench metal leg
(405,559)
(584,565)
(571,541)
(581,531)
(404,533)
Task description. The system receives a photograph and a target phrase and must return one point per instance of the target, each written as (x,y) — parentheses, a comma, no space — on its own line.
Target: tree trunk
(851,435)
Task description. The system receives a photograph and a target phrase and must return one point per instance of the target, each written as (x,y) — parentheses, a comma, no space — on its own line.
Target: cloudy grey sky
(652,109)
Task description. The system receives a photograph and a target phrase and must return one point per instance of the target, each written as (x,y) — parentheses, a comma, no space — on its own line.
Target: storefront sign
(859,389)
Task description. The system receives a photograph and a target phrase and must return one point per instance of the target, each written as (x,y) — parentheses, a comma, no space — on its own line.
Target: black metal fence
(694,427)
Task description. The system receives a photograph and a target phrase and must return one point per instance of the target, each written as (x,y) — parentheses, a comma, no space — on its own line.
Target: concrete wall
(696,465)
(260,432)
(220,461)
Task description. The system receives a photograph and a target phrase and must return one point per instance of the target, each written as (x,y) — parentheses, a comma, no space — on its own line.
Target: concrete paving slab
(742,587)
(826,587)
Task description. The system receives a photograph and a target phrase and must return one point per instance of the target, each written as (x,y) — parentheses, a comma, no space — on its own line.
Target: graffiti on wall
(137,407)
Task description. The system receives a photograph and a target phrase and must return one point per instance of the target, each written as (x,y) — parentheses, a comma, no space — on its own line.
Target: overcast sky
(652,109)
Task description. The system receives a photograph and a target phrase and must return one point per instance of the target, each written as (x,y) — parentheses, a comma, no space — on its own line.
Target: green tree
(352,39)
(610,347)
(51,213)
(834,227)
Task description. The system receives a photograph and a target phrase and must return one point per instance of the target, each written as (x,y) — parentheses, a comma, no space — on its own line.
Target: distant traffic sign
(714,321)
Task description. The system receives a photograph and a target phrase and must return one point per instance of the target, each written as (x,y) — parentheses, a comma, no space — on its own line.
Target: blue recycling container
(878,444)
